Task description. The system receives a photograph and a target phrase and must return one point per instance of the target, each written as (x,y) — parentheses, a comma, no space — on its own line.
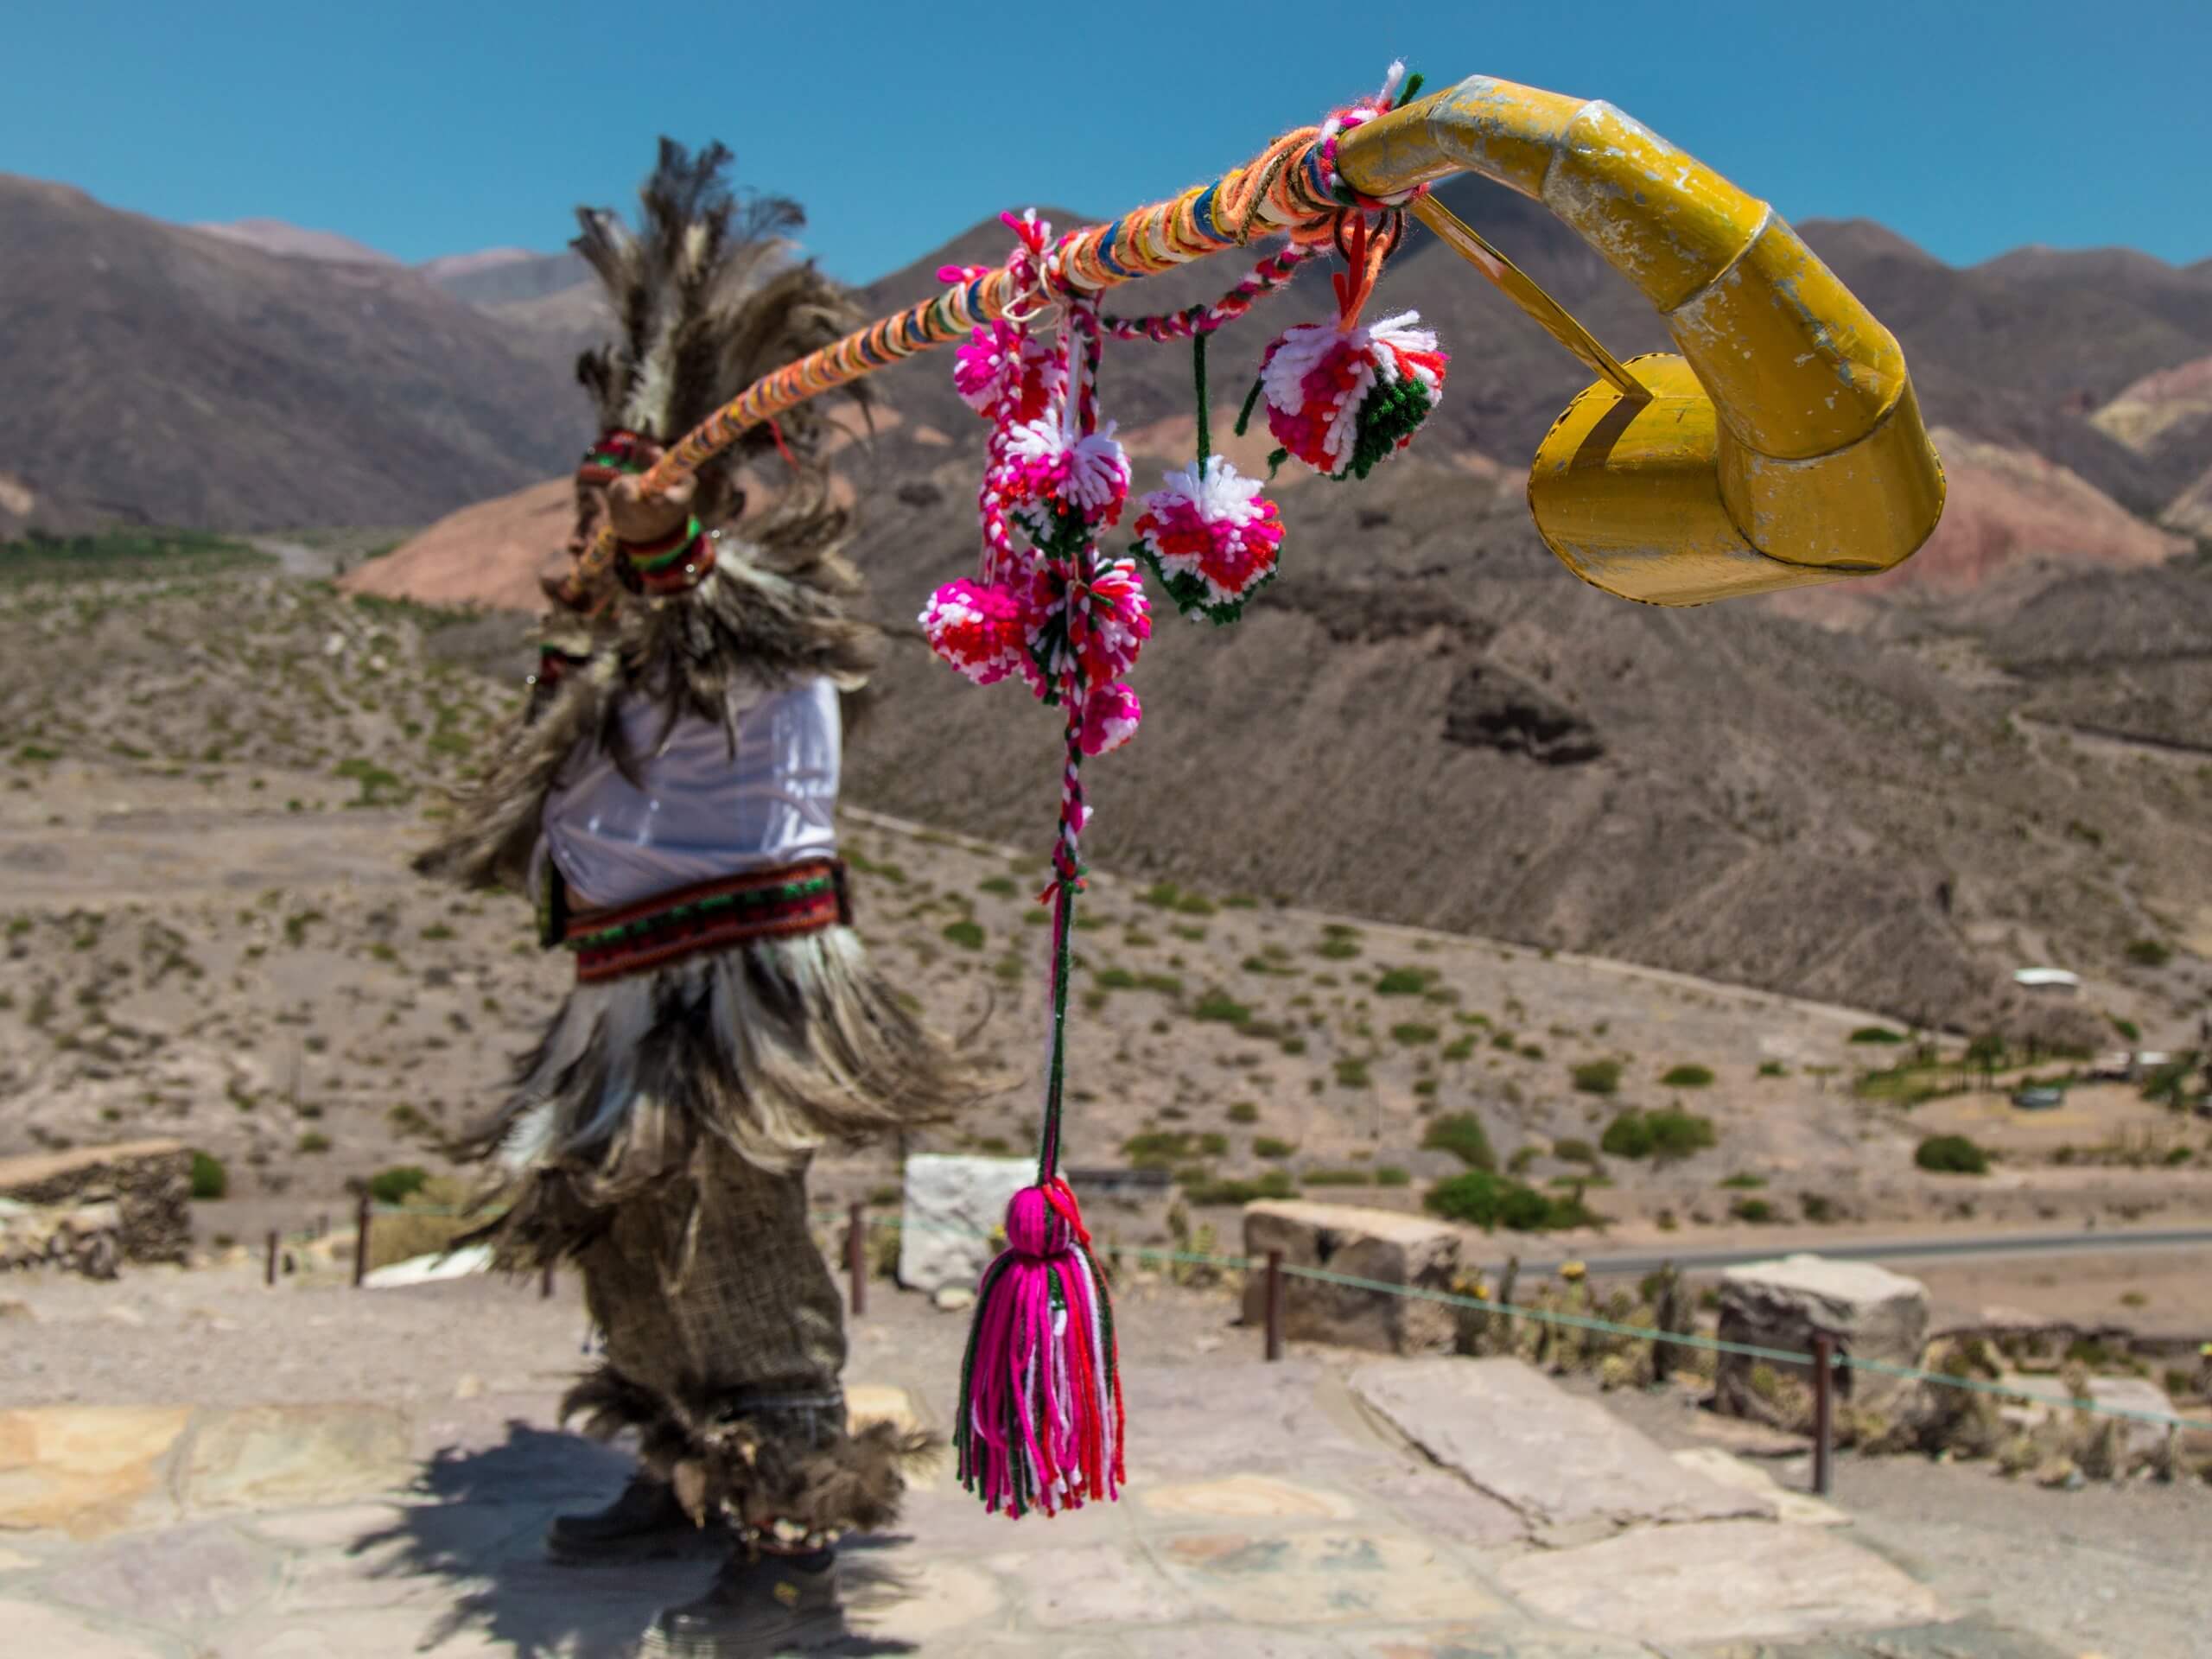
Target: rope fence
(860,1225)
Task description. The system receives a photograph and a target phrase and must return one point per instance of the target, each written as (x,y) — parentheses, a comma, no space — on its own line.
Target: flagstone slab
(1493,1641)
(1730,1470)
(1101,1583)
(1971,1638)
(32,1628)
(1247,1498)
(86,1470)
(174,1578)
(264,1456)
(1337,1576)
(1569,1467)
(932,1600)
(1719,1581)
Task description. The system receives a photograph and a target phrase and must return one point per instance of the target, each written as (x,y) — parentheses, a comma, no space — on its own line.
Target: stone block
(86,1471)
(149,1182)
(1380,1246)
(954,1208)
(265,1457)
(1871,1313)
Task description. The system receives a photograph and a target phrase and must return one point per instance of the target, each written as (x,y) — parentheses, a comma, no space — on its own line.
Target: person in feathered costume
(670,803)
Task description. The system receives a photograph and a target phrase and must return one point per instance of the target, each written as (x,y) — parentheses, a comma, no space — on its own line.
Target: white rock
(1380,1246)
(954,1299)
(1871,1313)
(953,1207)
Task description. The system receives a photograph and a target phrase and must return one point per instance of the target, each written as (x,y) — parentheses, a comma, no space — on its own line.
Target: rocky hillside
(161,374)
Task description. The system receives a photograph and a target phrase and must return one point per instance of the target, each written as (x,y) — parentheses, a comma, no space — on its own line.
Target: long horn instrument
(1784,446)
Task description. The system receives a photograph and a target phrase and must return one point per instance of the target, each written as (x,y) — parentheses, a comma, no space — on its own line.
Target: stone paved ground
(1275,1514)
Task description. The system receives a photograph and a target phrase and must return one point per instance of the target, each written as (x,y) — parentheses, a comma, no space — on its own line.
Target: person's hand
(641,518)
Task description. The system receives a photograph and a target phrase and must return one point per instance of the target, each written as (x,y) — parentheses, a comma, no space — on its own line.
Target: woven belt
(712,916)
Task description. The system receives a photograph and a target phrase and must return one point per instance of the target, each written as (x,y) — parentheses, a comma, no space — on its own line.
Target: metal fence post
(856,1254)
(545,1283)
(1823,1413)
(1274,1305)
(361,1212)
(268,1274)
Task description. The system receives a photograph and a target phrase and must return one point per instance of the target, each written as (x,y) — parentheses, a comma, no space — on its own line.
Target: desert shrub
(1484,1198)
(2150,953)
(1818,1208)
(1689,1077)
(1757,1211)
(397,1184)
(1951,1154)
(1876,1034)
(1158,1148)
(968,935)
(1773,1069)
(1412,1035)
(1392,1175)
(209,1179)
(1665,1134)
(1351,1073)
(1598,1076)
(1213,1144)
(1573,1149)
(1403,982)
(1745,1180)
(1243,1111)
(1222,1007)
(1461,1134)
(1274,1184)
(315,1141)
(2127,1029)
(1340,1178)
(1519,1162)
(1000,885)
(1267,1146)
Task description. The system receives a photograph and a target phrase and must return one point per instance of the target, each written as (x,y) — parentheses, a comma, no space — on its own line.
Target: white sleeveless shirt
(703,812)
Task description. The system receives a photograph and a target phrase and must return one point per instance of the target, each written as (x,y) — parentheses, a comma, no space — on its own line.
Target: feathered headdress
(709,296)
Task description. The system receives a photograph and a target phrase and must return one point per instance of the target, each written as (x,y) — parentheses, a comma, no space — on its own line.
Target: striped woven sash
(709,916)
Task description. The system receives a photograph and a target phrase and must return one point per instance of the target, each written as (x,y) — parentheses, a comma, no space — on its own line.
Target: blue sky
(423,129)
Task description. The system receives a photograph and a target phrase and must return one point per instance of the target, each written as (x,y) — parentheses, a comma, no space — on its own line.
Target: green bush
(209,1179)
(1222,1007)
(1599,1078)
(1757,1211)
(1267,1146)
(1951,1154)
(1158,1148)
(1461,1134)
(1274,1184)
(397,1184)
(1773,1069)
(2127,1029)
(1403,982)
(1876,1034)
(1573,1149)
(2150,953)
(968,936)
(1340,1178)
(1745,1180)
(1392,1175)
(1243,1111)
(1411,1034)
(1689,1077)
(1665,1134)
(1351,1073)
(1485,1199)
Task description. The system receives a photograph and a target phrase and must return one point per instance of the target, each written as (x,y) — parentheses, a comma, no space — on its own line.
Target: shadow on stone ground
(479,1522)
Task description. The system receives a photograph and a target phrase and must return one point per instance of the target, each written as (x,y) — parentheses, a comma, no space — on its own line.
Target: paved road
(2088,1241)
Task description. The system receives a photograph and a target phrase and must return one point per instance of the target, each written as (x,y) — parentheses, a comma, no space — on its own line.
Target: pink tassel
(1040,1393)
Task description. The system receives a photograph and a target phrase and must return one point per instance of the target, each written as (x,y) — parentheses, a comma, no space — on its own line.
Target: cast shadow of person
(477,1521)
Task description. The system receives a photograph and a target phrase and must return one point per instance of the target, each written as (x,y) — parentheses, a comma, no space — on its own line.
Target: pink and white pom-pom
(1116,621)
(1110,715)
(1088,474)
(1213,538)
(982,631)
(1001,360)
(1340,398)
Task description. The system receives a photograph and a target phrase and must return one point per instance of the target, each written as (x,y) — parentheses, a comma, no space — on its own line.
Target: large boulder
(954,1210)
(1871,1313)
(1380,1246)
(149,1182)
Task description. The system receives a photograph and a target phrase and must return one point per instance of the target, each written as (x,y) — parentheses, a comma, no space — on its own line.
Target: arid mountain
(291,241)
(162,374)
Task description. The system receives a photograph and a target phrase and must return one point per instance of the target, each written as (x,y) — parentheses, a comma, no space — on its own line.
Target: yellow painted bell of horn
(1783,446)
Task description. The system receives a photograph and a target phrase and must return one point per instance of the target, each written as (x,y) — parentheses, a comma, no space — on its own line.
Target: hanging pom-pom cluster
(1040,1422)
